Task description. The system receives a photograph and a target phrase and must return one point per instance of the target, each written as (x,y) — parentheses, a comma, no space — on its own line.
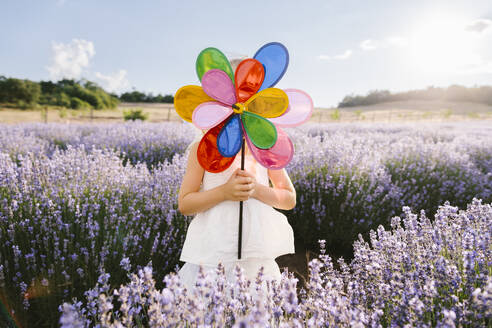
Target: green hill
(453,93)
(82,94)
(66,93)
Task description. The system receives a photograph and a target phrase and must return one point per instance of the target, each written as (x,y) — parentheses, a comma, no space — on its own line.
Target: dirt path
(386,112)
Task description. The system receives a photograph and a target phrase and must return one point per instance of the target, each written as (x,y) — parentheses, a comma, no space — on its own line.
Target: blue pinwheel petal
(230,138)
(275,59)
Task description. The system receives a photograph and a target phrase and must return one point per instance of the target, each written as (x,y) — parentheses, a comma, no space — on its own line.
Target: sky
(336,48)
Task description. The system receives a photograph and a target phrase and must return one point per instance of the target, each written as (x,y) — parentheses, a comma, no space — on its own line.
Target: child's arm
(283,193)
(191,200)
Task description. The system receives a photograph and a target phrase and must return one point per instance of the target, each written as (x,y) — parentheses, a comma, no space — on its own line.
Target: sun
(440,44)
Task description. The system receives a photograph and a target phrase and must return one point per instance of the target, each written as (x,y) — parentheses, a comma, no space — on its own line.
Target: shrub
(335,115)
(66,217)
(61,93)
(135,114)
(350,179)
(62,113)
(23,104)
(416,274)
(76,103)
(428,175)
(134,141)
(58,178)
(62,99)
(19,91)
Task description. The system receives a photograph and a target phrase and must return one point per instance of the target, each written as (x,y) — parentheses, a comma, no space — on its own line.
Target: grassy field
(386,112)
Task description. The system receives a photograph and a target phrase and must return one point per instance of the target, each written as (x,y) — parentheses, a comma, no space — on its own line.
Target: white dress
(212,235)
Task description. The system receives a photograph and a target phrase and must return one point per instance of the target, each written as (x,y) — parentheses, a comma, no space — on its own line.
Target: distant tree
(134,96)
(48,87)
(15,90)
(137,96)
(168,99)
(25,93)
(76,103)
(377,96)
(63,100)
(66,83)
(457,93)
(91,85)
(351,101)
(481,94)
(88,92)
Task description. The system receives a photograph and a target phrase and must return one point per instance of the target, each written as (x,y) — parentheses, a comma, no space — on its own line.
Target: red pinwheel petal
(208,155)
(249,77)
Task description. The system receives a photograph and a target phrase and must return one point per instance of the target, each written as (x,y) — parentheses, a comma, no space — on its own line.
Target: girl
(212,236)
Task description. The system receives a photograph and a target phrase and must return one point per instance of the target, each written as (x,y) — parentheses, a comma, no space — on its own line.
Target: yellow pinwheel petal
(271,102)
(187,99)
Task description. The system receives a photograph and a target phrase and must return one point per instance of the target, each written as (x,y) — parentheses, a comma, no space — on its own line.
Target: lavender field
(90,211)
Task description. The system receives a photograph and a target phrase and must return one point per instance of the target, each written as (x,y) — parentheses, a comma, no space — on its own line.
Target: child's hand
(253,181)
(240,186)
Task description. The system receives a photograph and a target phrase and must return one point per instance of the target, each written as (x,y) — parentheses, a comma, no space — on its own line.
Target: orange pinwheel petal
(208,155)
(249,77)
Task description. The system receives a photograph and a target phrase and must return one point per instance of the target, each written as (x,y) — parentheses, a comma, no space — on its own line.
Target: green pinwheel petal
(260,131)
(213,58)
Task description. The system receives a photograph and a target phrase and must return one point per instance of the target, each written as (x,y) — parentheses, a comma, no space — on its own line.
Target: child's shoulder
(192,148)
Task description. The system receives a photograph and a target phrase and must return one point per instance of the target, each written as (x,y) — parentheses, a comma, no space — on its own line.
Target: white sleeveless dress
(212,235)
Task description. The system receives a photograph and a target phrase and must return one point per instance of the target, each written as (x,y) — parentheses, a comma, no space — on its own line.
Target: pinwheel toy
(243,105)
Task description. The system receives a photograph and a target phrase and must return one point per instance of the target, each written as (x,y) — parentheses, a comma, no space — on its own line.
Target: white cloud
(479,25)
(116,82)
(343,56)
(368,45)
(70,59)
(392,41)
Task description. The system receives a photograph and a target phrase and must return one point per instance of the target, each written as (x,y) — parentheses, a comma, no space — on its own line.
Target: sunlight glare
(441,44)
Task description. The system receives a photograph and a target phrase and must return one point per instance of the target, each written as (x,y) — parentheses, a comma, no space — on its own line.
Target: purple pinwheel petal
(218,85)
(209,114)
(299,110)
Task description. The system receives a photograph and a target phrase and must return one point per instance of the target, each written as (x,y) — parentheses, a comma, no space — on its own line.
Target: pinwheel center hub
(238,108)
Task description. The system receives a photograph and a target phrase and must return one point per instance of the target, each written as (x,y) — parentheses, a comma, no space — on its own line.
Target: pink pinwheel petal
(218,85)
(299,110)
(209,114)
(276,157)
